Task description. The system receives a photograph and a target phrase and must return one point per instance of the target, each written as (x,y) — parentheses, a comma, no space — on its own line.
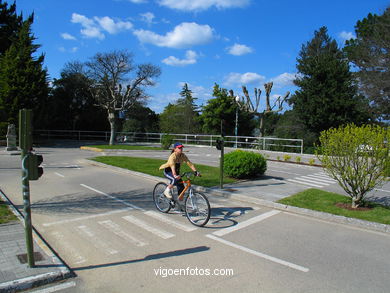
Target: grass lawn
(324,201)
(125,147)
(5,214)
(210,175)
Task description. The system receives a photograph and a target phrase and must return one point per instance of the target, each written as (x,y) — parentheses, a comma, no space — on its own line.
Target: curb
(357,223)
(42,279)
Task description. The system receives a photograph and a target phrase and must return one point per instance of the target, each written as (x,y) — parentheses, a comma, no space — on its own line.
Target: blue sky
(200,42)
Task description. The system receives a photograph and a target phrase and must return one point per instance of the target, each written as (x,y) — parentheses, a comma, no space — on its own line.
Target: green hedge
(243,164)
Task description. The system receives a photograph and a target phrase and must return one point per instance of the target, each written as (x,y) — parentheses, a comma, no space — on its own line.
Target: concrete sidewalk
(15,274)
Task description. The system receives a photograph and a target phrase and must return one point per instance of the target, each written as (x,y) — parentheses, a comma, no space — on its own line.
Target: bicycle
(196,205)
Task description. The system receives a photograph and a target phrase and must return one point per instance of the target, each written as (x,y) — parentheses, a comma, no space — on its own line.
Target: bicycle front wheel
(197,208)
(159,199)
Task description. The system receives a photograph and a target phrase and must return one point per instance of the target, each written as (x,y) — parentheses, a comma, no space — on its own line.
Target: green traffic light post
(30,171)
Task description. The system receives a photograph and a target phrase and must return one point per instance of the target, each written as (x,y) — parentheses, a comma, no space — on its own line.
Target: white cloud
(71,50)
(238,79)
(147,17)
(199,5)
(191,58)
(67,36)
(138,1)
(238,50)
(346,36)
(112,27)
(92,27)
(284,79)
(185,35)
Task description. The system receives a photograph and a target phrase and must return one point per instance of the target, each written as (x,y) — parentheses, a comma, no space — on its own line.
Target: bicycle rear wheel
(159,199)
(197,209)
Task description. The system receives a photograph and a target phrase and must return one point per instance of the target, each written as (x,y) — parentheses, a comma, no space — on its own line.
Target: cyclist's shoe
(167,193)
(172,203)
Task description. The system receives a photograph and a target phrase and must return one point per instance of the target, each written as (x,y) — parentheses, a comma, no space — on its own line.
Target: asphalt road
(104,225)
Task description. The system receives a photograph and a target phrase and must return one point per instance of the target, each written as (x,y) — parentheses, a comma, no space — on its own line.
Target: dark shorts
(173,180)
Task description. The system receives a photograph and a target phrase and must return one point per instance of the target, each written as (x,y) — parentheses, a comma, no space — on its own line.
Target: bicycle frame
(186,187)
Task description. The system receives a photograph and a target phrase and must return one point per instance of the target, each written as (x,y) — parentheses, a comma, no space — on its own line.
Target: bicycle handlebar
(189,174)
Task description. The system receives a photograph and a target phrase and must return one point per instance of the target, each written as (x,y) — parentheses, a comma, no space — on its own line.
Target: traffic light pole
(25,143)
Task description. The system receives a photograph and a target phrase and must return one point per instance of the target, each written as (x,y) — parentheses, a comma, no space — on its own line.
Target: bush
(243,164)
(298,159)
(286,158)
(166,141)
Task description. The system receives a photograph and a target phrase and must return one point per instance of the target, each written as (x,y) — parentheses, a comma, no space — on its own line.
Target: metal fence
(250,142)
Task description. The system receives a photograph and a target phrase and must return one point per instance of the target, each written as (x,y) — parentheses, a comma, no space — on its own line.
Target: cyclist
(172,169)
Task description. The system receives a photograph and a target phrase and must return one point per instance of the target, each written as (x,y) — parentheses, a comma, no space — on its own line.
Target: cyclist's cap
(178,145)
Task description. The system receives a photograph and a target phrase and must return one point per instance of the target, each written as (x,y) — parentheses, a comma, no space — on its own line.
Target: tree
(189,111)
(327,95)
(23,81)
(112,87)
(71,104)
(140,119)
(223,107)
(369,53)
(357,157)
(181,116)
(170,121)
(10,24)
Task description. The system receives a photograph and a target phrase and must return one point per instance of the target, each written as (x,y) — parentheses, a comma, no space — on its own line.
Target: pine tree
(370,53)
(327,95)
(23,81)
(10,24)
(189,111)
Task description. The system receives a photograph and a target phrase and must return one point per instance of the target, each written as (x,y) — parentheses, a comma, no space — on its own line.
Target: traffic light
(218,144)
(33,164)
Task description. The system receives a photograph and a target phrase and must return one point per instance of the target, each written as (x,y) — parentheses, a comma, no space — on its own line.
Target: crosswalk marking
(305,183)
(116,229)
(84,231)
(320,179)
(170,221)
(67,246)
(159,232)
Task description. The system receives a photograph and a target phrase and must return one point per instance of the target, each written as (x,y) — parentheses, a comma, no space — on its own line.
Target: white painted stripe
(259,254)
(321,179)
(159,232)
(58,174)
(246,223)
(382,190)
(68,247)
(112,197)
(116,229)
(323,175)
(96,241)
(56,287)
(85,217)
(305,183)
(310,180)
(170,221)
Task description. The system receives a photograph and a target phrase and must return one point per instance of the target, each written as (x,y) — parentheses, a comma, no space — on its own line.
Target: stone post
(11,138)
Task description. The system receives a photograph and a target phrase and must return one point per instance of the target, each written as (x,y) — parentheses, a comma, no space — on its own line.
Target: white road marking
(170,221)
(67,246)
(259,254)
(96,241)
(382,190)
(116,229)
(246,223)
(320,179)
(305,183)
(56,287)
(159,232)
(58,174)
(310,180)
(113,197)
(85,217)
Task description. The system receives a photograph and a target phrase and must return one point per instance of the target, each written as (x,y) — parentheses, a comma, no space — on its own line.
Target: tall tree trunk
(111,119)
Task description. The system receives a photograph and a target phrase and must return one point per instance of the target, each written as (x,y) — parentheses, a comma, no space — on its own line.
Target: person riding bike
(172,169)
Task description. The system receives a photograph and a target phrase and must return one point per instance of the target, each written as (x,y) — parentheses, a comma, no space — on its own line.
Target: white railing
(262,143)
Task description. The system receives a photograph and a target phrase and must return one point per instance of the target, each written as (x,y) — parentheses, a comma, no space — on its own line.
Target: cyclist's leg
(168,174)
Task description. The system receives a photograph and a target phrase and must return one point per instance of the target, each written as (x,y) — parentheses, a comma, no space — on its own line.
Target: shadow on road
(148,257)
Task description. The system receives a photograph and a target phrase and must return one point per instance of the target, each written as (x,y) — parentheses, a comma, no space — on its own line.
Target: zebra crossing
(112,233)
(319,180)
